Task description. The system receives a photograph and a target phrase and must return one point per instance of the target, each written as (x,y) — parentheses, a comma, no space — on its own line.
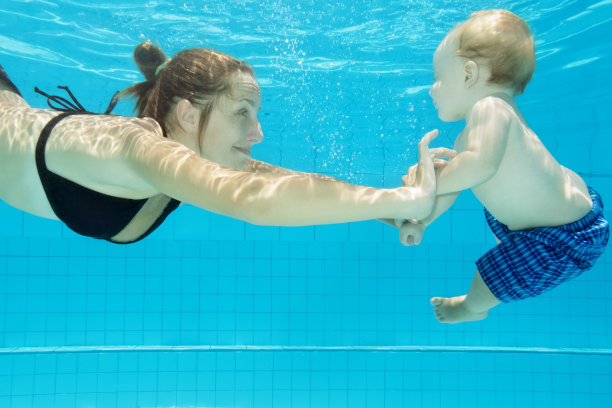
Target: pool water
(213,312)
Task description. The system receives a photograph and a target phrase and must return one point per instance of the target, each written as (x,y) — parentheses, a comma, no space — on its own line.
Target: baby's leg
(473,306)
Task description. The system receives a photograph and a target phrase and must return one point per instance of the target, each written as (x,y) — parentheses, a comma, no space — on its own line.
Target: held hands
(436,155)
(423,182)
(422,174)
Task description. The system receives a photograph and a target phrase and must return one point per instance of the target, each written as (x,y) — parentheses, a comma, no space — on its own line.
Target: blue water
(213,312)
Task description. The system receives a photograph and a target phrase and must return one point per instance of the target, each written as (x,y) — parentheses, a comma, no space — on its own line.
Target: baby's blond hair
(503,41)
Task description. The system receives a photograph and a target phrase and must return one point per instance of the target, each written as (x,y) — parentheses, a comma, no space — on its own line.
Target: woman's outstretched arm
(276,198)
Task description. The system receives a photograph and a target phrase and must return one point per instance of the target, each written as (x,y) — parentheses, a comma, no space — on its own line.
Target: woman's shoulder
(21,115)
(99,131)
(127,125)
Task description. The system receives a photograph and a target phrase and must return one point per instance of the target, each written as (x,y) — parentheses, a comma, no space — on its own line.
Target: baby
(549,224)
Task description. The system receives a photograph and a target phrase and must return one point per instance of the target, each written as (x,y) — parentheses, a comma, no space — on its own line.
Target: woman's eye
(244,113)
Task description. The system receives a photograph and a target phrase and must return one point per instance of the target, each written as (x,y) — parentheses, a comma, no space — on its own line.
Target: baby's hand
(411,232)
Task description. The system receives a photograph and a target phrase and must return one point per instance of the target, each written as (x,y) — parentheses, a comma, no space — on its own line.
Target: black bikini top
(85,211)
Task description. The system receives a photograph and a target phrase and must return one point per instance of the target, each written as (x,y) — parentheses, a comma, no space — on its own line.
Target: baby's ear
(471,73)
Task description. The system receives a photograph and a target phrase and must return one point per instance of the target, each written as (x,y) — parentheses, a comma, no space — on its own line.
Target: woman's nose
(255,134)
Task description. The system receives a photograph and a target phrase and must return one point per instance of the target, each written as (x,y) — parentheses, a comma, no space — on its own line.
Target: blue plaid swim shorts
(527,263)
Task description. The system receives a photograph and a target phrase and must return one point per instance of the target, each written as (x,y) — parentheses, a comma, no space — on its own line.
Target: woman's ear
(187,115)
(471,73)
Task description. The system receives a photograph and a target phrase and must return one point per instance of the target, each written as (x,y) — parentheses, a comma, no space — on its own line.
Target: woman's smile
(244,150)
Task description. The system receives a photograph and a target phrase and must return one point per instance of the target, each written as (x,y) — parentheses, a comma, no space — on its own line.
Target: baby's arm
(480,147)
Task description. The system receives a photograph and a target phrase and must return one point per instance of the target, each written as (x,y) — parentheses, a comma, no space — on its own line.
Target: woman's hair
(503,40)
(198,75)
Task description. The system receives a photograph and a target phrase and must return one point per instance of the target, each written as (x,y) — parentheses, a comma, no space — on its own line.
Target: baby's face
(448,89)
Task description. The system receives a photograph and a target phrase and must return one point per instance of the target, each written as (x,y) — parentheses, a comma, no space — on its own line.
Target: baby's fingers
(442,153)
(440,156)
(439,163)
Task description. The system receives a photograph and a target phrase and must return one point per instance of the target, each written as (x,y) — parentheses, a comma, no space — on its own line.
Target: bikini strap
(62,104)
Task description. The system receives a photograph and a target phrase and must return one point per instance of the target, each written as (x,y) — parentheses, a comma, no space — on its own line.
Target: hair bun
(148,57)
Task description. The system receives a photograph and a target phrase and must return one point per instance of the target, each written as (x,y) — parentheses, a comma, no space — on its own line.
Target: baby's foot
(453,310)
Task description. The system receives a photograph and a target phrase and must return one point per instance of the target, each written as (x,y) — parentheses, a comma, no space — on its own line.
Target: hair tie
(162,66)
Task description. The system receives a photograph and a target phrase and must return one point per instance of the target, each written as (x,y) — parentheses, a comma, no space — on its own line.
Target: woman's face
(233,127)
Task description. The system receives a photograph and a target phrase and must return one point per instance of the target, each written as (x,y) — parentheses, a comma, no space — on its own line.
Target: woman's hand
(411,232)
(421,180)
(419,197)
(437,155)
(422,176)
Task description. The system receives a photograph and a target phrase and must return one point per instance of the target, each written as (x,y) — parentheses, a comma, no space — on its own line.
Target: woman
(117,178)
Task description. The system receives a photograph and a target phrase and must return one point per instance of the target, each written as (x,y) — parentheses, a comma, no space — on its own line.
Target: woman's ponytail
(148,57)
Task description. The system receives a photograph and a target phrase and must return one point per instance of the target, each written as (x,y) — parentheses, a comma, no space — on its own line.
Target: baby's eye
(243,112)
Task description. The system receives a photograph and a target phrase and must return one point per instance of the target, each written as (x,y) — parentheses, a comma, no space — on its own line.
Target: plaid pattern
(530,262)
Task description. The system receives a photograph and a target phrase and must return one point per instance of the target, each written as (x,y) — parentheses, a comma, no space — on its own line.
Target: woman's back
(87,149)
